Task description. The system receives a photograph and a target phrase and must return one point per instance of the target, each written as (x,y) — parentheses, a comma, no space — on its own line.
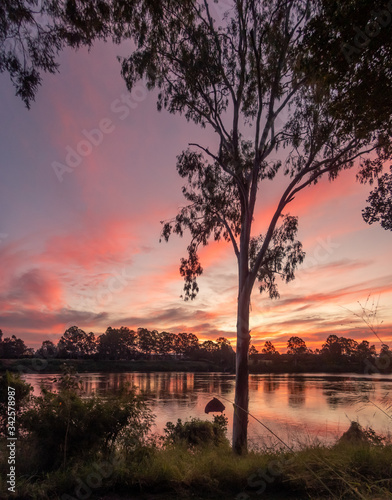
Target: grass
(343,471)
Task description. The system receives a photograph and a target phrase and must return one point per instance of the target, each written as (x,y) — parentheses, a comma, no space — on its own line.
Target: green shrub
(65,426)
(21,393)
(197,432)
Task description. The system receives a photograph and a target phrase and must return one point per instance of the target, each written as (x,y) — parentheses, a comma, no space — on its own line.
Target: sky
(86,176)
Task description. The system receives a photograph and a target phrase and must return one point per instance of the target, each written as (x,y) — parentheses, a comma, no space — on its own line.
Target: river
(299,409)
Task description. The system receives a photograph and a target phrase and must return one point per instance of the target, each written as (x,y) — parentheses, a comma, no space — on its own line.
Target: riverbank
(53,366)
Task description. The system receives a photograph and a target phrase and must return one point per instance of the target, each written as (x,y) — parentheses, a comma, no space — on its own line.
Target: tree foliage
(13,347)
(297,346)
(269,348)
(117,343)
(76,343)
(33,32)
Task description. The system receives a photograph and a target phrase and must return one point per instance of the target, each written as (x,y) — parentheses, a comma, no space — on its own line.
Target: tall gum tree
(239,75)
(241,67)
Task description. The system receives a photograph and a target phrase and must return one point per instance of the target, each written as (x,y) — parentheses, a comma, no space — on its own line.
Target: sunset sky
(81,247)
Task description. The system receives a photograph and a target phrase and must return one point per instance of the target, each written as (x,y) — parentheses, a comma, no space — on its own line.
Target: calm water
(298,408)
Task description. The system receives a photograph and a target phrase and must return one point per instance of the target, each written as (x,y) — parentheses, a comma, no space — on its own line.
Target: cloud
(40,324)
(92,245)
(32,289)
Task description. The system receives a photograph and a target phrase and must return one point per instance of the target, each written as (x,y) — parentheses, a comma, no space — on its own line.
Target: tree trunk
(241,401)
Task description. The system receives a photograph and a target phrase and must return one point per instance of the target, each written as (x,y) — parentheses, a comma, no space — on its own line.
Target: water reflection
(349,392)
(296,391)
(294,406)
(271,384)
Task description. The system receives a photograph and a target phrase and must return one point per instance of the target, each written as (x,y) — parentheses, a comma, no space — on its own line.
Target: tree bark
(241,400)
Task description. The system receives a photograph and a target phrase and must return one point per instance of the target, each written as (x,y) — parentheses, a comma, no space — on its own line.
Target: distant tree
(75,343)
(226,354)
(268,348)
(209,347)
(385,350)
(335,347)
(47,350)
(349,346)
(385,358)
(166,342)
(332,347)
(253,350)
(13,347)
(116,343)
(147,341)
(186,343)
(365,351)
(223,343)
(296,346)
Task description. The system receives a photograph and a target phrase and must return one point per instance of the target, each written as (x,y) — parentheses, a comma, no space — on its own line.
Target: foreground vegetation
(71,447)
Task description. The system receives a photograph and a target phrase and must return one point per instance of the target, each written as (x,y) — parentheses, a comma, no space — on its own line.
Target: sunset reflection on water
(300,409)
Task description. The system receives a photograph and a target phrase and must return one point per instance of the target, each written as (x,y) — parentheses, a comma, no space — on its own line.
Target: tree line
(121,343)
(124,343)
(336,352)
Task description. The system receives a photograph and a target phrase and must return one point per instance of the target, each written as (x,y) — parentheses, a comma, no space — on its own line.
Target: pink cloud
(92,244)
(34,289)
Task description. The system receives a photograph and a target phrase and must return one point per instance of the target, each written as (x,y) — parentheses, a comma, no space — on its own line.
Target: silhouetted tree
(186,343)
(47,350)
(226,353)
(380,202)
(13,347)
(209,347)
(32,33)
(146,341)
(117,343)
(75,343)
(365,351)
(336,347)
(268,348)
(296,346)
(166,343)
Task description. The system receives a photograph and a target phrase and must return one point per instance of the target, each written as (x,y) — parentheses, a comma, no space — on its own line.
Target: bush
(64,426)
(22,393)
(197,432)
